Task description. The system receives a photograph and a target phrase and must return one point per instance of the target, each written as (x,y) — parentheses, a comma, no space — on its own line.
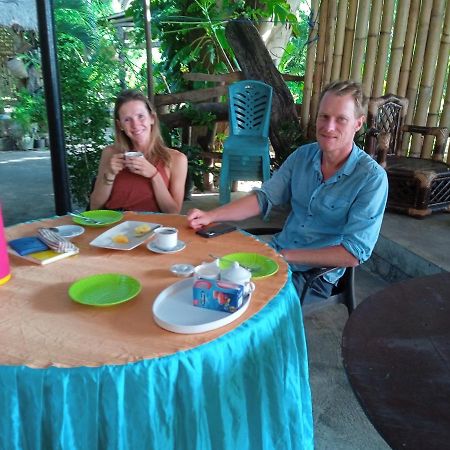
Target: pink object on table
(5,272)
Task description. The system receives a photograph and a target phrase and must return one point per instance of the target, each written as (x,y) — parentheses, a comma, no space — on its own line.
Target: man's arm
(335,256)
(361,230)
(240,209)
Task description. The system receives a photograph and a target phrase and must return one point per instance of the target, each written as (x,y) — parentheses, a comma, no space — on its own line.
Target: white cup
(166,238)
(133,155)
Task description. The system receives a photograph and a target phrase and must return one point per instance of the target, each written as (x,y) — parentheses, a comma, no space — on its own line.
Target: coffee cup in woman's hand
(133,155)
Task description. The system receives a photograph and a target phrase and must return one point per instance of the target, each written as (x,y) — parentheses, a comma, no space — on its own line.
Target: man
(336,191)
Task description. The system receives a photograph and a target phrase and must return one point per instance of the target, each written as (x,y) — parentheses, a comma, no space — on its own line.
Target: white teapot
(237,274)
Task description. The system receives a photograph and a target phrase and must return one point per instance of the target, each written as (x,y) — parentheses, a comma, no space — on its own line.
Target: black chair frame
(343,292)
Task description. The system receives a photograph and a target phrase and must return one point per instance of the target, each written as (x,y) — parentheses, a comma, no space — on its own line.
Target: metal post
(47,40)
(148,47)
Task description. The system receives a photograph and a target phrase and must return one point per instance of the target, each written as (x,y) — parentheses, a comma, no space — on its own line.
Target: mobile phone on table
(216,229)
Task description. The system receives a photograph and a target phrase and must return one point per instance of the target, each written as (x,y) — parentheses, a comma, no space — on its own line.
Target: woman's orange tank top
(132,192)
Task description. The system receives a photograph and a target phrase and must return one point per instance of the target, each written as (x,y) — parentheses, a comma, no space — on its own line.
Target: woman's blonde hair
(157,150)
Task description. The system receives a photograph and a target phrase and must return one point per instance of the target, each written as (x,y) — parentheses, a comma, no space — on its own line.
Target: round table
(75,376)
(396,351)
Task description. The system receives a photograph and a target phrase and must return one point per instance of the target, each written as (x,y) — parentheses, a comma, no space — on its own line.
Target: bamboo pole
(416,67)
(309,69)
(439,80)
(372,41)
(398,43)
(429,69)
(318,73)
(444,121)
(359,46)
(339,42)
(445,116)
(329,40)
(348,39)
(383,44)
(408,49)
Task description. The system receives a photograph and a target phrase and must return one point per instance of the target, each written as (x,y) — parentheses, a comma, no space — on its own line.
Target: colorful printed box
(217,295)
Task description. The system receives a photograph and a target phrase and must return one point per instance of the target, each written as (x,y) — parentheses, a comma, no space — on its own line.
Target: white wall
(21,12)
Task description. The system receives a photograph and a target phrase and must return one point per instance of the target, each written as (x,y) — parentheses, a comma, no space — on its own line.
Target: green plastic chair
(246,149)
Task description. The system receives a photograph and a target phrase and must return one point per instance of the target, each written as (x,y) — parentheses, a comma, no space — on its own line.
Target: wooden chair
(417,186)
(342,293)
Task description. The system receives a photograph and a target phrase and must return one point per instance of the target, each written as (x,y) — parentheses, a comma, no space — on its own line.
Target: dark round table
(396,351)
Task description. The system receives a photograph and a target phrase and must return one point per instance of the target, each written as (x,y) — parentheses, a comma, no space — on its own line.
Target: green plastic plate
(106,216)
(104,289)
(259,265)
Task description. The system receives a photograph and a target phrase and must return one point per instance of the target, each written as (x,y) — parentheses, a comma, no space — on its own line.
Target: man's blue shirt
(347,209)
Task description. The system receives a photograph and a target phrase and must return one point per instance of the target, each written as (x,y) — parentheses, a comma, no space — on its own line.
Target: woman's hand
(116,164)
(140,166)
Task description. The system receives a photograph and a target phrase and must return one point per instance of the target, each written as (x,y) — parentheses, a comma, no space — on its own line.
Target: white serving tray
(126,228)
(173,310)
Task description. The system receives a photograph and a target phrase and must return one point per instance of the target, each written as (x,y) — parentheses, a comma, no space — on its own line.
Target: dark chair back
(343,293)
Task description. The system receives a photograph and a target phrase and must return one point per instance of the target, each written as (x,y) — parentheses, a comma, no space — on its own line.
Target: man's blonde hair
(348,87)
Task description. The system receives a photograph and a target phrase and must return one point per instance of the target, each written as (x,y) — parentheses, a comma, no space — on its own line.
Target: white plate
(173,310)
(127,228)
(154,248)
(69,231)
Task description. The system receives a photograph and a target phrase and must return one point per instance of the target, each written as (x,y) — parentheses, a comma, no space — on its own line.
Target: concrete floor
(415,247)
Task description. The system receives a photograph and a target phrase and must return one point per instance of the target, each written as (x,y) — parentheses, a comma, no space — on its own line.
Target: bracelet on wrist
(107,180)
(154,175)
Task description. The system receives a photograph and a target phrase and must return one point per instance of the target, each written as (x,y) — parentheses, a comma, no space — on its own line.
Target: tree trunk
(276,36)
(256,64)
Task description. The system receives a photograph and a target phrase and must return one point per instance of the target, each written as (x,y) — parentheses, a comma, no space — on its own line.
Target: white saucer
(69,231)
(180,246)
(182,270)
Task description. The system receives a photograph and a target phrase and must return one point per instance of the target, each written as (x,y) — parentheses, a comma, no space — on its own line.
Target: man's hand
(240,209)
(198,218)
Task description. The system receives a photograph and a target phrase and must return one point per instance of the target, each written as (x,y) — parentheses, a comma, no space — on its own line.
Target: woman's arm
(111,163)
(170,199)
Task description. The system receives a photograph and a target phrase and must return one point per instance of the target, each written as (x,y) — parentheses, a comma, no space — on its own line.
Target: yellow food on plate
(142,229)
(120,239)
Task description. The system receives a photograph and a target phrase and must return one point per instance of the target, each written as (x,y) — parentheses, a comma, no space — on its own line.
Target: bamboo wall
(392,47)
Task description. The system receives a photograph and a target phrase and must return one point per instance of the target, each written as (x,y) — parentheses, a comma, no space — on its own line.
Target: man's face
(337,123)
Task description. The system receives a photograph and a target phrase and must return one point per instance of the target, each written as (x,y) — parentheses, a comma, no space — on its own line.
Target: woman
(154,182)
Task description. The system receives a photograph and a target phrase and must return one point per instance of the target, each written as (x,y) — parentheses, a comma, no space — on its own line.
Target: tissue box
(217,295)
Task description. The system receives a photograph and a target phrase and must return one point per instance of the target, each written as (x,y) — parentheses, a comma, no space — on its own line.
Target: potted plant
(29,115)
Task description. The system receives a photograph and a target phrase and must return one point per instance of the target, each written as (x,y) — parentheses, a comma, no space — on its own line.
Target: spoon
(86,218)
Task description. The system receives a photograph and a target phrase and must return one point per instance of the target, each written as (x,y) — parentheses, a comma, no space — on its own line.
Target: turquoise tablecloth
(248,389)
